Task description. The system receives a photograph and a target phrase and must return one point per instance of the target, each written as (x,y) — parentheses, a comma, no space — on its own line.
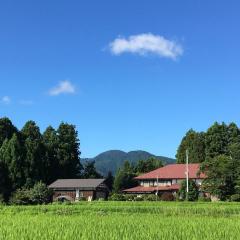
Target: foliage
(124,178)
(218,149)
(151,197)
(50,141)
(39,194)
(194,142)
(34,157)
(193,191)
(89,170)
(116,197)
(220,181)
(5,183)
(235,198)
(21,197)
(12,155)
(150,164)
(27,156)
(6,129)
(109,181)
(217,140)
(68,151)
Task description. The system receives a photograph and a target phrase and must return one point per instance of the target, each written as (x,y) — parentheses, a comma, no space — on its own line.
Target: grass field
(121,220)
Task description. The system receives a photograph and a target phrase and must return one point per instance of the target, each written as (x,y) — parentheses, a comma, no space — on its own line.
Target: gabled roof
(76,183)
(142,189)
(173,171)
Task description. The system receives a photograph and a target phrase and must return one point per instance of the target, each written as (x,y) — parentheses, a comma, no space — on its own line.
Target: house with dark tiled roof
(77,189)
(166,179)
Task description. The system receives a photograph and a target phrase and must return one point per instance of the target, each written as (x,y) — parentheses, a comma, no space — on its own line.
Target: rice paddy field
(121,220)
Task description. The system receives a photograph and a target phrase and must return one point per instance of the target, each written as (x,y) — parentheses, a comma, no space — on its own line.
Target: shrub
(117,197)
(192,193)
(21,197)
(235,198)
(139,198)
(167,196)
(40,194)
(130,197)
(151,197)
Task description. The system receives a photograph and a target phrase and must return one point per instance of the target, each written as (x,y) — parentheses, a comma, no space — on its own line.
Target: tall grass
(121,220)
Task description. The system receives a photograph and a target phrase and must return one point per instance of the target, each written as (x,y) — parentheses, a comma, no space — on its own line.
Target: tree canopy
(28,156)
(218,151)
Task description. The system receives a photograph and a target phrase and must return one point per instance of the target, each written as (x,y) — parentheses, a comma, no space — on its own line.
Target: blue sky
(129,74)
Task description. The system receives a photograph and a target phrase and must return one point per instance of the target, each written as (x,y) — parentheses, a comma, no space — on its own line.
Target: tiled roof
(76,183)
(141,189)
(174,171)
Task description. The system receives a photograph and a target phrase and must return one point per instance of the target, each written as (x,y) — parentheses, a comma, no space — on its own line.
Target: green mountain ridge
(114,159)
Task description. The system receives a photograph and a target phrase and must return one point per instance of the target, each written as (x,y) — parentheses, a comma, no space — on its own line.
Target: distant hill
(113,159)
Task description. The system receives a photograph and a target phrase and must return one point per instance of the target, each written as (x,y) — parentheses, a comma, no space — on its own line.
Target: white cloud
(64,87)
(6,100)
(146,43)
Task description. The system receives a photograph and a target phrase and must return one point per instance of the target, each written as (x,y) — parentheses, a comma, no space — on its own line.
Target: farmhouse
(166,179)
(77,189)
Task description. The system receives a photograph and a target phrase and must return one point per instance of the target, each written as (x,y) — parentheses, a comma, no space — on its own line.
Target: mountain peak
(112,160)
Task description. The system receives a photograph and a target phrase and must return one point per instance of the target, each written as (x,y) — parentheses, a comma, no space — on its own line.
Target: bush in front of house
(130,197)
(117,197)
(21,197)
(167,196)
(151,197)
(39,194)
(193,192)
(235,198)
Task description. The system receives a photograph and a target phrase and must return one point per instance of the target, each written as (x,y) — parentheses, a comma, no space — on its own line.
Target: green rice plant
(121,220)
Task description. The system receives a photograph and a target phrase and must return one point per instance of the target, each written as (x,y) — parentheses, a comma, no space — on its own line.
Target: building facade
(166,179)
(77,189)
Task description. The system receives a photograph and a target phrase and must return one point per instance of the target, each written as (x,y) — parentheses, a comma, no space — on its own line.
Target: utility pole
(187,175)
(157,189)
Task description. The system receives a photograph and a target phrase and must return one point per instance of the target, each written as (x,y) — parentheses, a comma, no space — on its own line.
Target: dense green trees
(6,129)
(220,171)
(90,171)
(12,155)
(218,151)
(68,151)
(28,157)
(148,165)
(124,177)
(195,143)
(193,191)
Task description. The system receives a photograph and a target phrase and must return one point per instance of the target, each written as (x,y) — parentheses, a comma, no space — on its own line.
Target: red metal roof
(173,171)
(141,189)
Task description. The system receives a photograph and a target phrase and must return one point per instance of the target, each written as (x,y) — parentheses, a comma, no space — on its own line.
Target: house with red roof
(166,179)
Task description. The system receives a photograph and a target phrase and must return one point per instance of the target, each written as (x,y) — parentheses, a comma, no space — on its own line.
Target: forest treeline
(28,157)
(218,151)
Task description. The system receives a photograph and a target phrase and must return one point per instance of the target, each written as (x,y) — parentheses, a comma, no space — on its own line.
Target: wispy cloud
(146,43)
(5,100)
(64,87)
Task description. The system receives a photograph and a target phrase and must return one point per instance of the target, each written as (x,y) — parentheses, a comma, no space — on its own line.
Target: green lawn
(121,220)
